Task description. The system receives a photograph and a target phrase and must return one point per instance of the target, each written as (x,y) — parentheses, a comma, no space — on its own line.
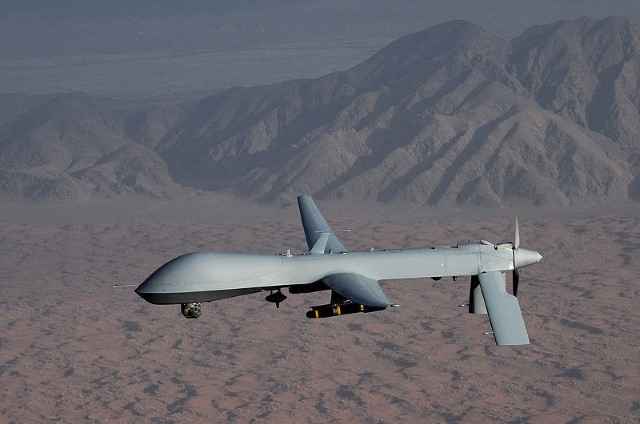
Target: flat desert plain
(75,349)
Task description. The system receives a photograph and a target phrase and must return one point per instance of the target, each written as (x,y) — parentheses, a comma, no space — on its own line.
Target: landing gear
(276,298)
(191,310)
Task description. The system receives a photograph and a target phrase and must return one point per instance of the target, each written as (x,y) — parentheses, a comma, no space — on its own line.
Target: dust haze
(158,48)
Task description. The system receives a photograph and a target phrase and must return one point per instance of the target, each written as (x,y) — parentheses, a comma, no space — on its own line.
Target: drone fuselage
(202,277)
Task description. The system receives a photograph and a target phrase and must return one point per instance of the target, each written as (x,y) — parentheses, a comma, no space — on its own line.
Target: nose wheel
(191,310)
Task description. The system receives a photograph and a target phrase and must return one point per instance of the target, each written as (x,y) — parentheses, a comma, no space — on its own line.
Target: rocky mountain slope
(73,146)
(449,115)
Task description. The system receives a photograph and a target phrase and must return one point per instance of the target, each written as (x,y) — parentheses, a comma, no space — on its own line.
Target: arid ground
(75,349)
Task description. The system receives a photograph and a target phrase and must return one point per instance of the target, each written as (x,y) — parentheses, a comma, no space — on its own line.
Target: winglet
(320,246)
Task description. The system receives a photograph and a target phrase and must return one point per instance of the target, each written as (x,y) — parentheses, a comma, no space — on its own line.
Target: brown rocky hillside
(450,115)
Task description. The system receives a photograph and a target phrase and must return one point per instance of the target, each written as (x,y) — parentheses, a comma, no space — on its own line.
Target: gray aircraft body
(352,277)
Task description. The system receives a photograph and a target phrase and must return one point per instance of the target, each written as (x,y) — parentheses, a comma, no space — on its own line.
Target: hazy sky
(518,10)
(101,8)
(44,44)
(60,26)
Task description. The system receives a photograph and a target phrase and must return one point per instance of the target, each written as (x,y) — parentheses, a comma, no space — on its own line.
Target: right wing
(315,226)
(503,309)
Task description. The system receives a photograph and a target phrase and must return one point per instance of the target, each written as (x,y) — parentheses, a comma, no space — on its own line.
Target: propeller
(516,246)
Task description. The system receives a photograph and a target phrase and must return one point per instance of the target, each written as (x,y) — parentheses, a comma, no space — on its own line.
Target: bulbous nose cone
(524,257)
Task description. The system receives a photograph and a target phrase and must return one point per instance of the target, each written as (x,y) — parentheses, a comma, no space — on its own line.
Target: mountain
(585,71)
(74,146)
(451,115)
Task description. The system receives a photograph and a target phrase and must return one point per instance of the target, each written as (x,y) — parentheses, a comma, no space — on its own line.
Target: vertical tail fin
(315,225)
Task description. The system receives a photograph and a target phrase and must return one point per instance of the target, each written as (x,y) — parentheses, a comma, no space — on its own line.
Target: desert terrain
(75,349)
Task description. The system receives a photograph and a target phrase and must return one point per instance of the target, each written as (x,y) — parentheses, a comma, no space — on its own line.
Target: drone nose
(143,289)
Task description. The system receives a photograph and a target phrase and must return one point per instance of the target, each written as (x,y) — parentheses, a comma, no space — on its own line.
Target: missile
(326,311)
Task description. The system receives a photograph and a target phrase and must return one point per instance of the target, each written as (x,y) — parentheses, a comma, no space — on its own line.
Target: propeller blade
(516,281)
(516,238)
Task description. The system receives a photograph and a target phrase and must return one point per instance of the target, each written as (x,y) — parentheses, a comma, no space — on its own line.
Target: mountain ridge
(451,115)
